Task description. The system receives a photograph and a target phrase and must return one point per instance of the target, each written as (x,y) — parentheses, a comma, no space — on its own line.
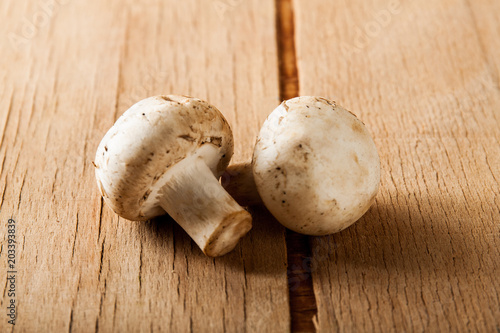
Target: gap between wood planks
(302,301)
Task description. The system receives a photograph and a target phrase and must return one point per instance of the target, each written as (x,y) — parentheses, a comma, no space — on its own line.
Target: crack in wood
(302,301)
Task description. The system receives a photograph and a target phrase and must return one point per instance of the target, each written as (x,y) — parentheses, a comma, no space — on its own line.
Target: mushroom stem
(196,200)
(239,183)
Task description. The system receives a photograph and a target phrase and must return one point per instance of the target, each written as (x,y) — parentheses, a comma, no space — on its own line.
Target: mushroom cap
(147,140)
(316,166)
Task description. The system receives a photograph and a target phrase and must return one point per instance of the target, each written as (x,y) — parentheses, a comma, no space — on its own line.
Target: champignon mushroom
(315,167)
(165,154)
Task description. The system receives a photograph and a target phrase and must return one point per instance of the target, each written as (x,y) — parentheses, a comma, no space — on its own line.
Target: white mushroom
(165,154)
(315,167)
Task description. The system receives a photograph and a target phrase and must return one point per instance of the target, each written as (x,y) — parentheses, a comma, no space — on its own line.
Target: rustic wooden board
(64,78)
(423,76)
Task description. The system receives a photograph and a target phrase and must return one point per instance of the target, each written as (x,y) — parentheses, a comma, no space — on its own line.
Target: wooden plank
(423,76)
(67,72)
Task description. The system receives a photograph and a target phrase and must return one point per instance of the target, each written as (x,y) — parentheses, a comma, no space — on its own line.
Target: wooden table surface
(422,75)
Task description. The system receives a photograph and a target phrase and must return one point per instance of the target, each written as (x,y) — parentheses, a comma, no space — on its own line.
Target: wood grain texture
(424,77)
(63,84)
